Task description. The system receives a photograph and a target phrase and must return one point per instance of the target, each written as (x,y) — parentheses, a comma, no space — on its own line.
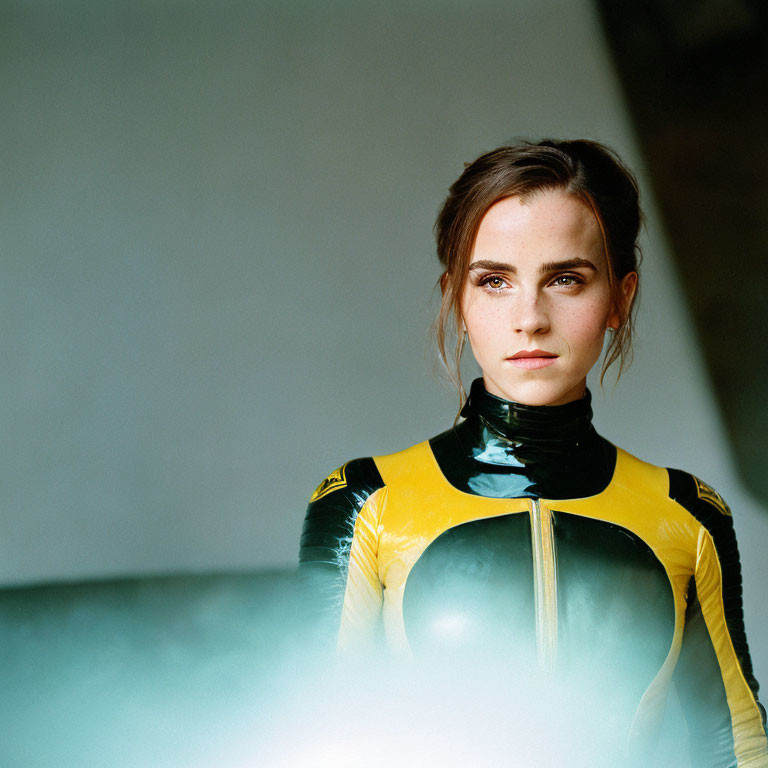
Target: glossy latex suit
(528,530)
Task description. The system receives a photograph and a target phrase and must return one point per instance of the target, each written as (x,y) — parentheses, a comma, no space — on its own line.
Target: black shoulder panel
(333,508)
(709,508)
(326,541)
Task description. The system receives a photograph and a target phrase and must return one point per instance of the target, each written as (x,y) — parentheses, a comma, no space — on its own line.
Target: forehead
(547,224)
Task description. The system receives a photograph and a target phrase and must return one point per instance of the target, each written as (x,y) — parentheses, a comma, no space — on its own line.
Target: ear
(443,283)
(627,288)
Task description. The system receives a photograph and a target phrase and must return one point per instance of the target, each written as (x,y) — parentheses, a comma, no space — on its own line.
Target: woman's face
(536,303)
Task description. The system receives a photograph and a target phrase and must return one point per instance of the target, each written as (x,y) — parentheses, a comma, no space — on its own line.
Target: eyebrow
(549,266)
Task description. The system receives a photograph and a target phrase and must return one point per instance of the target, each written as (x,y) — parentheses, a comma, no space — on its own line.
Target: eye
(568,280)
(493,282)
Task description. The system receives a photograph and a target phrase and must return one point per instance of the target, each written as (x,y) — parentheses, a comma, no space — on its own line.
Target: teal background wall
(218,269)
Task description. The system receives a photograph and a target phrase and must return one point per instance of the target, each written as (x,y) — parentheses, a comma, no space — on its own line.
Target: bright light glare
(451,625)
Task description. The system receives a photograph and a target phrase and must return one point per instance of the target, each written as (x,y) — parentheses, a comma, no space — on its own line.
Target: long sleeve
(338,565)
(714,678)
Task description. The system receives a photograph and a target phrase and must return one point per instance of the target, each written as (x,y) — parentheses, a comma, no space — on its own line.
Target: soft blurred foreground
(146,672)
(216,671)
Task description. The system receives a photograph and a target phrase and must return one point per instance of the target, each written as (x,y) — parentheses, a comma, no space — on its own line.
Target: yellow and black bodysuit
(522,528)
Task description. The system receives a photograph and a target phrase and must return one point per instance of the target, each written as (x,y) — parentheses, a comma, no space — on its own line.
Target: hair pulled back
(588,170)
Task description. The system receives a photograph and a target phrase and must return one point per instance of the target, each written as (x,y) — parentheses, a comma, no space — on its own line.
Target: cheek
(484,323)
(585,326)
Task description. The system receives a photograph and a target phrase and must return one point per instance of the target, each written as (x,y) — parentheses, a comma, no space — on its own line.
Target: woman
(521,530)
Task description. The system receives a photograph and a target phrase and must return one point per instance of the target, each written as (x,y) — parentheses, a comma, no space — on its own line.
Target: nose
(529,314)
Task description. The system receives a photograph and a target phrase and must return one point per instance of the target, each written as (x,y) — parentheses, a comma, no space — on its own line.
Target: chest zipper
(544,584)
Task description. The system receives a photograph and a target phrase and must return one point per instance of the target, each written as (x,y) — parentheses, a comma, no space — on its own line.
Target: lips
(530,359)
(532,353)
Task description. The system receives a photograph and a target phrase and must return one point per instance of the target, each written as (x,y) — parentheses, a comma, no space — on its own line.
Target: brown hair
(591,172)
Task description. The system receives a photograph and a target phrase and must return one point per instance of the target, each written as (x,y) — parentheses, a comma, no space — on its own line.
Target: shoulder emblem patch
(708,493)
(337,479)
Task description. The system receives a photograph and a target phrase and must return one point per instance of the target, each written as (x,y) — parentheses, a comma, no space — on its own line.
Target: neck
(519,423)
(504,448)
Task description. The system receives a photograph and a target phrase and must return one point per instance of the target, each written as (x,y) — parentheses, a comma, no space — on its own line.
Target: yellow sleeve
(746,717)
(714,678)
(363,594)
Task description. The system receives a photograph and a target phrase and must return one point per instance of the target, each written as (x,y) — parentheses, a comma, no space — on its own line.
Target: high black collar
(508,449)
(563,426)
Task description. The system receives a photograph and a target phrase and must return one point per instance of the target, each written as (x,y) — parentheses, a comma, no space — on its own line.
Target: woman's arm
(714,678)
(338,566)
